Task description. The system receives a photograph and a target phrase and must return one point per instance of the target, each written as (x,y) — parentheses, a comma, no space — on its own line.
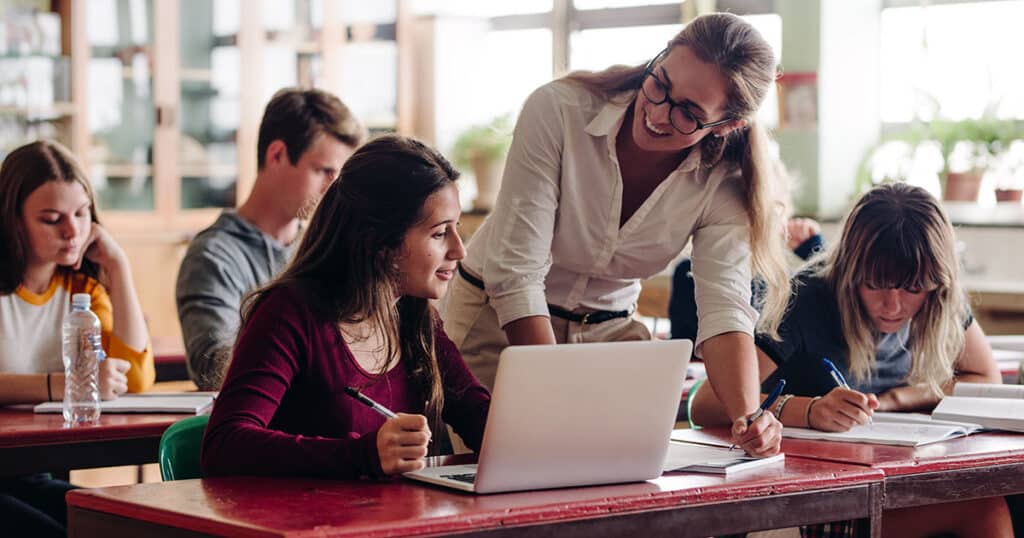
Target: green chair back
(179,448)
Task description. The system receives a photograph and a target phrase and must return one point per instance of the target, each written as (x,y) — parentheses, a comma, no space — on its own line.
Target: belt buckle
(586,318)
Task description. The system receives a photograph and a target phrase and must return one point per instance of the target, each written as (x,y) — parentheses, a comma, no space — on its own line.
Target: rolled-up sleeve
(722,266)
(525,214)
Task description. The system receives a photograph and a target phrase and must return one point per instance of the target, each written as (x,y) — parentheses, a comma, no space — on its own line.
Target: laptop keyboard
(466,477)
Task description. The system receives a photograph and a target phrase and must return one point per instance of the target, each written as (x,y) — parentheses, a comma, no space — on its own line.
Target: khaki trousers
(472,324)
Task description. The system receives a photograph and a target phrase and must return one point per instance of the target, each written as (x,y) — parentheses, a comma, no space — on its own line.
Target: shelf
(207,170)
(196,74)
(184,170)
(18,56)
(56,111)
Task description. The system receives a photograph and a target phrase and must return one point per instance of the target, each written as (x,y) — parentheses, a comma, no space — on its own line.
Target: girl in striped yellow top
(52,246)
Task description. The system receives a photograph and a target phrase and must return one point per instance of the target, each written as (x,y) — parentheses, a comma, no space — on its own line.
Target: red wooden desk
(801,491)
(31,443)
(976,466)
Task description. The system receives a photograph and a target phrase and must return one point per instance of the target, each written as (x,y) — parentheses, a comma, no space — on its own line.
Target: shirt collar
(608,120)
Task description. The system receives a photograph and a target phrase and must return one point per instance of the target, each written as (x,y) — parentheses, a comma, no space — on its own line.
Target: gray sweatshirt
(223,263)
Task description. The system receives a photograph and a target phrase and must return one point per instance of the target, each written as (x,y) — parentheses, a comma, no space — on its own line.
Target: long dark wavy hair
(24,170)
(345,266)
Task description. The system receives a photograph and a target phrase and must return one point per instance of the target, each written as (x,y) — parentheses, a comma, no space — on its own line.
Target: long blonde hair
(898,236)
(746,60)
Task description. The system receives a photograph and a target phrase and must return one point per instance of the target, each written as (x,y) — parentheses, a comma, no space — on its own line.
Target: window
(954,61)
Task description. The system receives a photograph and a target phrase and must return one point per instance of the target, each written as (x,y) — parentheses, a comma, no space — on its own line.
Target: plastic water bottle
(82,355)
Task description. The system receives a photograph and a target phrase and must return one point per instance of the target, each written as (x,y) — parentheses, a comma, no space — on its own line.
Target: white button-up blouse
(554,235)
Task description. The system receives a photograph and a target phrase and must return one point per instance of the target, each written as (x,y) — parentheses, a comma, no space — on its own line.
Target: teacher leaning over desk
(610,174)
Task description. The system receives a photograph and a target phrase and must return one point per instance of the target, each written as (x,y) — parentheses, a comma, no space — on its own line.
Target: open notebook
(999,407)
(191,403)
(903,429)
(694,458)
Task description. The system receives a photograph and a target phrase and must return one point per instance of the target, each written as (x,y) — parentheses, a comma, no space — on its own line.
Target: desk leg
(872,526)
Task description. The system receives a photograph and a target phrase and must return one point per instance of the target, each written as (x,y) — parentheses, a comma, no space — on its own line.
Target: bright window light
(953,61)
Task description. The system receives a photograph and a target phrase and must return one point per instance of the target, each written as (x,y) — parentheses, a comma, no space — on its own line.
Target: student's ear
(277,153)
(726,128)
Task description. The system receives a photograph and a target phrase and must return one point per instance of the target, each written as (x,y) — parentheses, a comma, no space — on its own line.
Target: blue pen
(772,396)
(837,376)
(368,402)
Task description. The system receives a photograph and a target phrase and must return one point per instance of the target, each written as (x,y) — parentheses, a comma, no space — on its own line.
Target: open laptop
(575,415)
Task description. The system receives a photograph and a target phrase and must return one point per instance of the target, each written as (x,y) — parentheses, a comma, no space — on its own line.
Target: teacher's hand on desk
(402,443)
(762,438)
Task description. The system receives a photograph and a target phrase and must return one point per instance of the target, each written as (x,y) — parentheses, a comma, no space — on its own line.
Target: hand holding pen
(842,408)
(402,440)
(749,430)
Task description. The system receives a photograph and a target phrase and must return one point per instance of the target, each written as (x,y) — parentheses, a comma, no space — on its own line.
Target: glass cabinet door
(209,102)
(121,113)
(368,62)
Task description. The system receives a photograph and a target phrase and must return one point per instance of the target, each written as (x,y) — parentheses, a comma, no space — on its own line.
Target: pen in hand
(768,401)
(368,402)
(837,376)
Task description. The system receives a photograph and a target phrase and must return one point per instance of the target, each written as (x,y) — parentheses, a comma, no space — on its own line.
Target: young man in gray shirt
(305,137)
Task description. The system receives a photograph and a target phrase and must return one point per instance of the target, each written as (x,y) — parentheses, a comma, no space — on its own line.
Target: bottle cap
(81,300)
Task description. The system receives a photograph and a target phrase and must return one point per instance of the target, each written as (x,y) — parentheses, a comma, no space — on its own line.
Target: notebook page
(885,433)
(922,418)
(689,457)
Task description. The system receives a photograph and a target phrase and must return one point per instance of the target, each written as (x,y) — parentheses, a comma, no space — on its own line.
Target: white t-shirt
(30,329)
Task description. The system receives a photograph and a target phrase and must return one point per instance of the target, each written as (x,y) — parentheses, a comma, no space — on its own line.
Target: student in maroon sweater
(352,310)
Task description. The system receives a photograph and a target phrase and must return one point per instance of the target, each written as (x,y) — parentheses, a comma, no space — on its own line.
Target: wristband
(777,410)
(807,415)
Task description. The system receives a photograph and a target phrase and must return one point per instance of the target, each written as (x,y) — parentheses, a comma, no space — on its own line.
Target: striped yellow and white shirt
(30,329)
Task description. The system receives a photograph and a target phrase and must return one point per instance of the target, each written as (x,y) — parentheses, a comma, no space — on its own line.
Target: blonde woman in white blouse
(609,176)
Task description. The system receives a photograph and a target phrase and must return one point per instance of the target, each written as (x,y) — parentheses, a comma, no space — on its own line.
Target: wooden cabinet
(35,73)
(167,96)
(999,313)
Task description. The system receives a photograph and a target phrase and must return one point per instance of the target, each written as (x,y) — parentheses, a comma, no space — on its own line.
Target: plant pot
(1009,195)
(488,182)
(962,186)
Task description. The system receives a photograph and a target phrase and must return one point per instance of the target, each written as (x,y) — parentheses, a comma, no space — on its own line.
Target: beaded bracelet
(807,415)
(777,411)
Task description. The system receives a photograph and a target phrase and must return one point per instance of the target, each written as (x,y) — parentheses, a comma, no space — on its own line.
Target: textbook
(192,403)
(693,458)
(999,407)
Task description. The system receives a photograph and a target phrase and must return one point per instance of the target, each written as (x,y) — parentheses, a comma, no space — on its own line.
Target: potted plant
(967,147)
(1008,166)
(482,148)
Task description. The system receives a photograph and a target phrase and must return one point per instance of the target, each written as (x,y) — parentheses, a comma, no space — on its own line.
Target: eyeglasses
(679,115)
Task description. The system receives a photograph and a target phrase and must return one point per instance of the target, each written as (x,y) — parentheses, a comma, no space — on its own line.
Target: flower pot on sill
(962,186)
(1009,195)
(488,181)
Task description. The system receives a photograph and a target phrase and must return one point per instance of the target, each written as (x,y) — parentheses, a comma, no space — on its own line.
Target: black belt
(585,318)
